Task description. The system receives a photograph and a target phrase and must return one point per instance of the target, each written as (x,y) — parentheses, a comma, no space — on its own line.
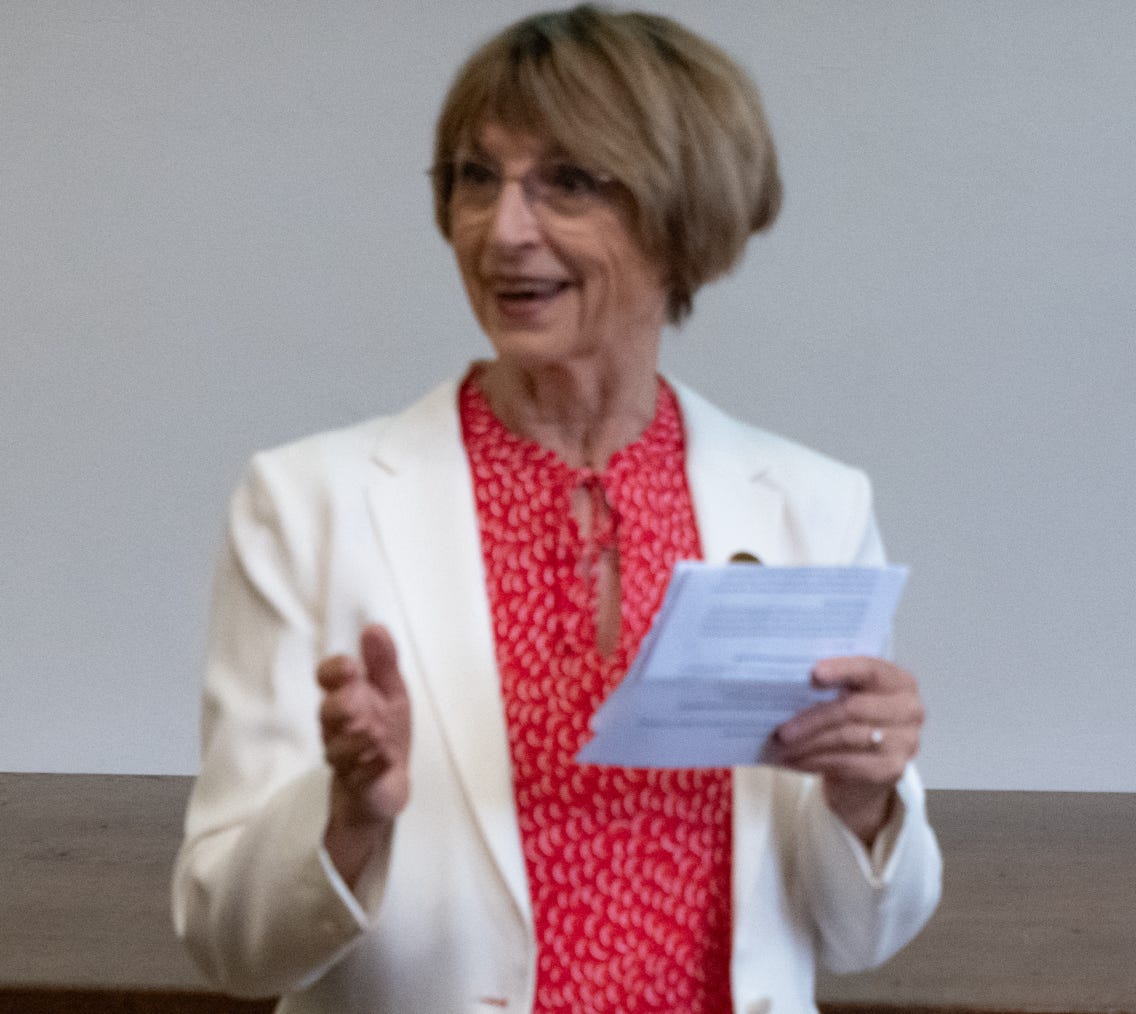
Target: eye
(570,180)
(474,175)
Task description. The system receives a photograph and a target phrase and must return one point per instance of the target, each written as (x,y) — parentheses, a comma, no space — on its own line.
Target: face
(549,287)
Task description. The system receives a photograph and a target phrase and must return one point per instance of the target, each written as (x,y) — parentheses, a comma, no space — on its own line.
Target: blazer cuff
(877,865)
(363,902)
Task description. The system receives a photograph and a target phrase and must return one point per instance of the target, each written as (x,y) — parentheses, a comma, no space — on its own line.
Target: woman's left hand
(859,743)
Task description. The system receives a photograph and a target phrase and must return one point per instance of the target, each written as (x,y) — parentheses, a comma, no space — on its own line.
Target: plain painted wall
(216,236)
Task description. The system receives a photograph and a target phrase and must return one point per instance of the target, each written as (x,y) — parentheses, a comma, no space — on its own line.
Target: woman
(417,616)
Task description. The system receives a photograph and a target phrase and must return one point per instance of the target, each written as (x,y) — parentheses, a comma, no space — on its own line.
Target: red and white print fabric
(629,869)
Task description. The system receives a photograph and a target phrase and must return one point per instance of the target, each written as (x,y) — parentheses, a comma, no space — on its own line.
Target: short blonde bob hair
(637,96)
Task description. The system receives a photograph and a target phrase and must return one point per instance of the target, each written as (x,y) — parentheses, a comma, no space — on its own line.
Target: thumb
(380,659)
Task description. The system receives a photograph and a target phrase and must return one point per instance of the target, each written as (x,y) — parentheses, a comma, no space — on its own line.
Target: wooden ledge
(1038,913)
(77,1001)
(69,1001)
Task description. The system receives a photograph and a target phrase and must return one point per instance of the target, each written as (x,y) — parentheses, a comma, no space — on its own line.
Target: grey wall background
(215,236)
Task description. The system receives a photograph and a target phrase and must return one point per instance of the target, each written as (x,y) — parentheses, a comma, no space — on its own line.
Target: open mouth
(524,291)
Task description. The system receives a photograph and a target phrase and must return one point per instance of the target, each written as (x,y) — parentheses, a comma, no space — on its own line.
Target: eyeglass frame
(538,192)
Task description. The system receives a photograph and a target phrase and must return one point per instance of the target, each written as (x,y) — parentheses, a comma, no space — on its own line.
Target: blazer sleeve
(864,913)
(867,907)
(255,899)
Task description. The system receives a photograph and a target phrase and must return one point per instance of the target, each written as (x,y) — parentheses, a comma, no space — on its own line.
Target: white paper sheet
(730,656)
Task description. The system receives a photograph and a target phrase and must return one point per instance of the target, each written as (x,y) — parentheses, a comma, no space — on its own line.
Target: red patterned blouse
(629,869)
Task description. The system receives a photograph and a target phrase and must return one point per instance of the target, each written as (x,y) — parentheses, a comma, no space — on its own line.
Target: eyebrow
(473,149)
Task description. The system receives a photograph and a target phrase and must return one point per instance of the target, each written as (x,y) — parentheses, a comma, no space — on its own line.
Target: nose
(514,222)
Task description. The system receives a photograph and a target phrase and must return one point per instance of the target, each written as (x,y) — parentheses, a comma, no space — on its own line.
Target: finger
(360,709)
(867,707)
(896,742)
(860,672)
(349,752)
(854,756)
(337,671)
(380,658)
(841,738)
(366,736)
(356,774)
(342,710)
(857,708)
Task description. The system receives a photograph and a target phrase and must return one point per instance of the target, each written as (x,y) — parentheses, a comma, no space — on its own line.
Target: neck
(581,415)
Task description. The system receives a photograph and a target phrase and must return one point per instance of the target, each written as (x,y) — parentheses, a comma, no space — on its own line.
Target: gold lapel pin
(741,556)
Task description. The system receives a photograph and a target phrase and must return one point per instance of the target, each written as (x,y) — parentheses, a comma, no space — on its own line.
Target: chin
(532,347)
(531,344)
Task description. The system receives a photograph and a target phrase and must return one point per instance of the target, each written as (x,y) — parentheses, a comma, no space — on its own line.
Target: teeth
(531,289)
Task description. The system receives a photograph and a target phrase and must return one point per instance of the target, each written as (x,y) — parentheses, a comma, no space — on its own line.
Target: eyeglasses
(560,186)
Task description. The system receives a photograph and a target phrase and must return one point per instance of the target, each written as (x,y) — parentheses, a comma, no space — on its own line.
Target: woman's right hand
(365,724)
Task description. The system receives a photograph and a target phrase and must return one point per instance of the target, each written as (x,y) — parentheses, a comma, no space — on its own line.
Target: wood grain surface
(1038,911)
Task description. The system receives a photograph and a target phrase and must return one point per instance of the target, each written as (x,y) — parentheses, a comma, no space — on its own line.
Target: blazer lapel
(738,505)
(422,504)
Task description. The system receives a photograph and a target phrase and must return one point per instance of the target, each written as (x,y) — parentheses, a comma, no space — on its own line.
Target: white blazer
(377,523)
